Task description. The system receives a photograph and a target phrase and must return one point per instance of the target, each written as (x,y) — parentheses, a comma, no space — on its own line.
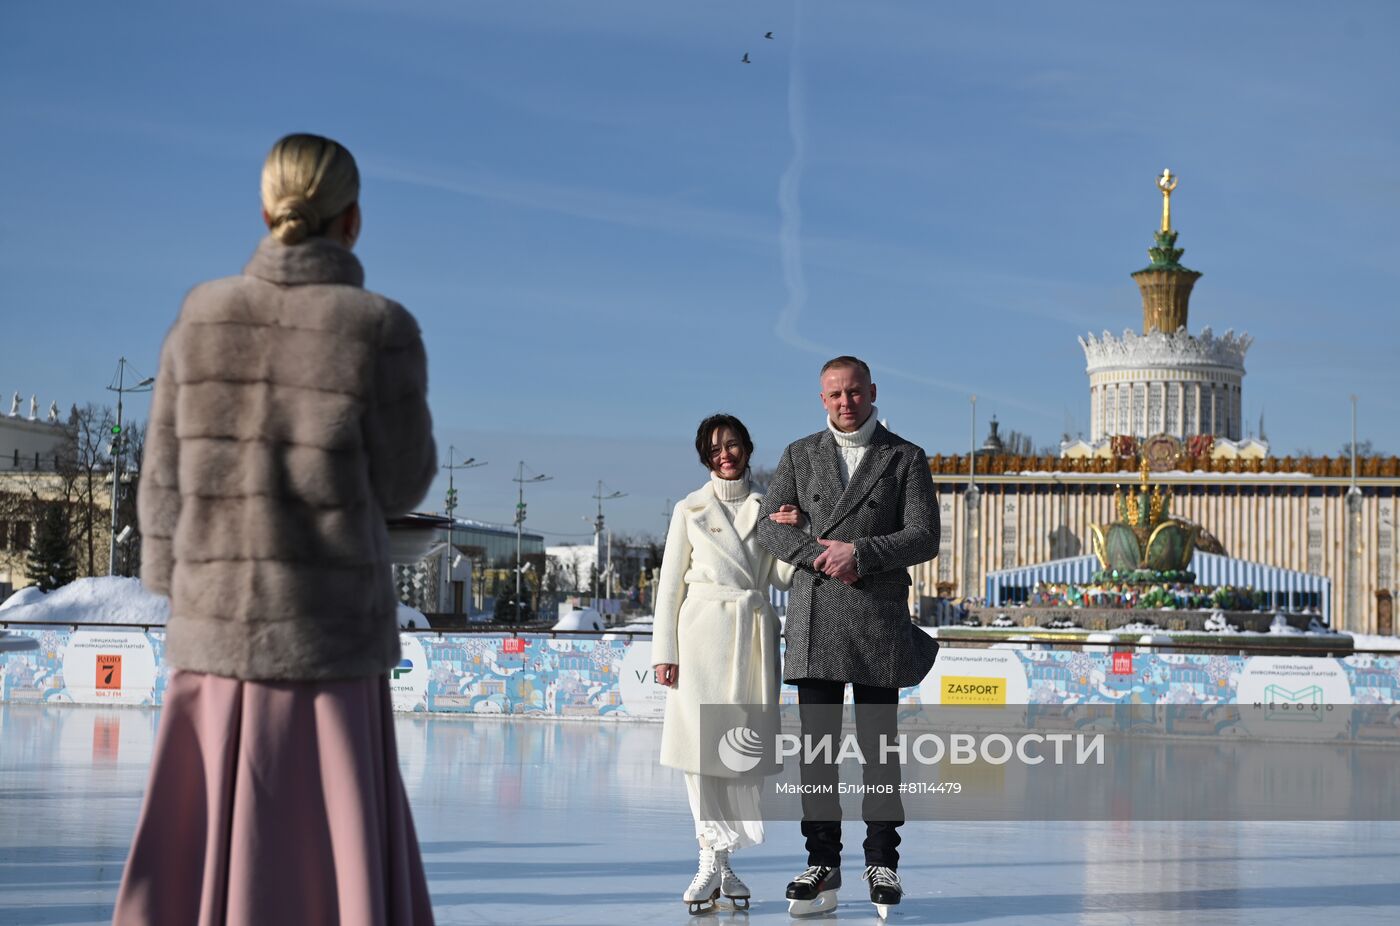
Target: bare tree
(1364,448)
(564,571)
(82,463)
(20,507)
(77,477)
(760,477)
(129,551)
(1018,444)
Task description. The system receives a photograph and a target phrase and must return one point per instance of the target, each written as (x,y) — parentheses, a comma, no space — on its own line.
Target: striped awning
(1287,589)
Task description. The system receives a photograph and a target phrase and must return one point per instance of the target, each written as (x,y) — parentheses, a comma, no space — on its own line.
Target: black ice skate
(814,891)
(885,889)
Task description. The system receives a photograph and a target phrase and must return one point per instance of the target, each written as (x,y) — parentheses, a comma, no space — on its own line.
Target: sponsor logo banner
(1295,697)
(408,681)
(109,667)
(972,689)
(642,696)
(970,668)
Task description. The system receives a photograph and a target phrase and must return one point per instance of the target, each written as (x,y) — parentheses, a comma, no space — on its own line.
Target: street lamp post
(1351,610)
(971,512)
(520,526)
(118,446)
(451,507)
(598,539)
(609,587)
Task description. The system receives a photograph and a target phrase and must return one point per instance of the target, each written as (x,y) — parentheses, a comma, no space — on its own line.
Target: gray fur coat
(289,419)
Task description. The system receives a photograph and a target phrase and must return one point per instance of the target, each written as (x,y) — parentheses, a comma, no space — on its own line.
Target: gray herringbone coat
(289,419)
(859,632)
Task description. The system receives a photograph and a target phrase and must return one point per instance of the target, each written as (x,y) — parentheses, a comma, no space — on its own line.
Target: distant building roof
(1368,469)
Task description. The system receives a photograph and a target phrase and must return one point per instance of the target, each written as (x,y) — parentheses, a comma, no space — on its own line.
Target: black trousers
(820,707)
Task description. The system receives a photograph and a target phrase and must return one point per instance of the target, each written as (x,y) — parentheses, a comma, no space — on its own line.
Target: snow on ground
(1375,641)
(643,624)
(409,617)
(101,600)
(581,619)
(28,595)
(113,600)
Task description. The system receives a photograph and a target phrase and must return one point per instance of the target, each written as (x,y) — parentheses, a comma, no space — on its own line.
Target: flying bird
(767,35)
(745,59)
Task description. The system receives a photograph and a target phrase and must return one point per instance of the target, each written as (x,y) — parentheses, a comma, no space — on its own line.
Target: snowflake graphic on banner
(477,649)
(1218,670)
(602,656)
(1081,666)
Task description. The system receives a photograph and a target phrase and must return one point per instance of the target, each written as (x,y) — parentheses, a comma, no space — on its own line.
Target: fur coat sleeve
(402,463)
(158,502)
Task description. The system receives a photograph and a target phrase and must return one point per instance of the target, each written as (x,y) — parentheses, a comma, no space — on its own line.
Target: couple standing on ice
(848,510)
(289,419)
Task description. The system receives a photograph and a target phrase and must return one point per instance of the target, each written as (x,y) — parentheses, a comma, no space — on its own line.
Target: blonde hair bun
(307,180)
(293,219)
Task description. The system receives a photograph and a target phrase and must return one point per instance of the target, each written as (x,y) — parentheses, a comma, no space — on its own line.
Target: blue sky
(609,227)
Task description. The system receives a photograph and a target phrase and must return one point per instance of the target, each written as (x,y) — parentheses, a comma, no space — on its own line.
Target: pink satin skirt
(274,803)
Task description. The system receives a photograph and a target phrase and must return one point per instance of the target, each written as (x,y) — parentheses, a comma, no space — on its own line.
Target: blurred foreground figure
(289,420)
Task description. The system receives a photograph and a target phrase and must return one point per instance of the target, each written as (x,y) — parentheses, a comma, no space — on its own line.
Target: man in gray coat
(872,513)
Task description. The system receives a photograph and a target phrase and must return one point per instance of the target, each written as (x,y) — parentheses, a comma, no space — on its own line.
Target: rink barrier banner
(545,676)
(1289,759)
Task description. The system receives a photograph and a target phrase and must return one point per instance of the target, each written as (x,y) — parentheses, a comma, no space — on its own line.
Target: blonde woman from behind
(289,420)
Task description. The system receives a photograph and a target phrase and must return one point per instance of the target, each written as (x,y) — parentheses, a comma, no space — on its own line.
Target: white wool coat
(713,619)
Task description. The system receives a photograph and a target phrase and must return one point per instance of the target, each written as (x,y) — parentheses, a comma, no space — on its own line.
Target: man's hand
(838,560)
(668,674)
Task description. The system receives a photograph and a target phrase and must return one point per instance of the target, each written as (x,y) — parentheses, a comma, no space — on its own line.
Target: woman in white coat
(715,641)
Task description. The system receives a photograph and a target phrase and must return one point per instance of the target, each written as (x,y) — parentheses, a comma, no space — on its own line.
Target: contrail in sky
(790,202)
(790,240)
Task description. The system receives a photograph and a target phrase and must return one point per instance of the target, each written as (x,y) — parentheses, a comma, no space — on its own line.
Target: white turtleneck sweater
(852,445)
(731,493)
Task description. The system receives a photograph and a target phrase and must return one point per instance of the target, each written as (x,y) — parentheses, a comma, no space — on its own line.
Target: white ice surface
(539,822)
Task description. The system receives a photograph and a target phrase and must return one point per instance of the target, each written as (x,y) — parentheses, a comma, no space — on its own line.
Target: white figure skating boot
(733,889)
(885,889)
(704,889)
(813,891)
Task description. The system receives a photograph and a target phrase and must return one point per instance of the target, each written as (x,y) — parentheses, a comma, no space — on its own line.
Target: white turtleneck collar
(851,447)
(859,437)
(731,491)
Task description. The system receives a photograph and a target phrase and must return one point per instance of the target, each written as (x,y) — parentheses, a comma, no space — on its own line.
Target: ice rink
(531,821)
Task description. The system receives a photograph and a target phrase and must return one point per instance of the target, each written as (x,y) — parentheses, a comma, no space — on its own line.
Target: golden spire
(1166,183)
(1144,469)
